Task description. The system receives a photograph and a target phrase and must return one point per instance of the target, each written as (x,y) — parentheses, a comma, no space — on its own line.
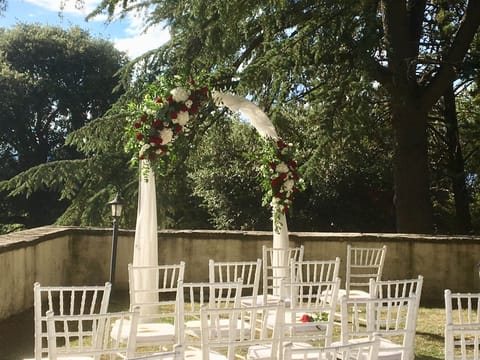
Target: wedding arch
(164,114)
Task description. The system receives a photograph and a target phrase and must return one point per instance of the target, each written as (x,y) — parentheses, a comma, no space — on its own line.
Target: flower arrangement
(314,317)
(281,180)
(162,116)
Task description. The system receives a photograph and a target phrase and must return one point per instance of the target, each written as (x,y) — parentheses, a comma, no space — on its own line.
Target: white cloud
(135,41)
(70,6)
(139,43)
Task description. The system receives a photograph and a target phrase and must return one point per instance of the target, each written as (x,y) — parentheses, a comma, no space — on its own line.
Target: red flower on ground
(306,318)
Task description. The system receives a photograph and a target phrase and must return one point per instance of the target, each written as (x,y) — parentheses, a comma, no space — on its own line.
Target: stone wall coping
(29,237)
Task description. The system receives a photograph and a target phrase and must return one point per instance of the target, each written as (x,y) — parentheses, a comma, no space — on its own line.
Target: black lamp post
(117,206)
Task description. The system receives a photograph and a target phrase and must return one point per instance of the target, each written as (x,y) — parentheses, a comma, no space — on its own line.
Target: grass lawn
(429,340)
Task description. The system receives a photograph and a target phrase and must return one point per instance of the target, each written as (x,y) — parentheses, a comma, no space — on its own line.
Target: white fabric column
(280,256)
(145,252)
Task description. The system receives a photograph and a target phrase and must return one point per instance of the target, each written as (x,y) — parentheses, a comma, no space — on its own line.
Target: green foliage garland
(280,177)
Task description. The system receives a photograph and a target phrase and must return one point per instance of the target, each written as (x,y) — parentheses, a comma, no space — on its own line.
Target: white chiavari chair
(88,336)
(65,300)
(462,326)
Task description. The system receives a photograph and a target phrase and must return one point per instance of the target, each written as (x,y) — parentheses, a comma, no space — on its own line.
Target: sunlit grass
(429,339)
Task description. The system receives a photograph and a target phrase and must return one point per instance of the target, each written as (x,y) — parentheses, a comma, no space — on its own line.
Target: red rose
(282,176)
(192,82)
(306,318)
(285,209)
(136,125)
(170,99)
(272,165)
(173,115)
(281,144)
(193,110)
(143,118)
(157,124)
(184,108)
(178,128)
(158,100)
(274,182)
(139,137)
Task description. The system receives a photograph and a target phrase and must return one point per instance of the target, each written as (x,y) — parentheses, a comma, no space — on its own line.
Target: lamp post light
(116,206)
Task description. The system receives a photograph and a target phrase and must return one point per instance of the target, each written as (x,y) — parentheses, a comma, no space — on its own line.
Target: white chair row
(159,307)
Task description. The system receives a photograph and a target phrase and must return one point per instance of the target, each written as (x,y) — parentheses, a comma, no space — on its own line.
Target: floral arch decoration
(166,113)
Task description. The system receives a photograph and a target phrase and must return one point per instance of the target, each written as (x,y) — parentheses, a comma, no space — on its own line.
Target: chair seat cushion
(388,350)
(192,328)
(353,294)
(146,332)
(264,352)
(196,354)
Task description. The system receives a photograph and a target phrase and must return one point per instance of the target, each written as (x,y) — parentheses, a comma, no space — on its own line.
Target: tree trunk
(413,209)
(456,165)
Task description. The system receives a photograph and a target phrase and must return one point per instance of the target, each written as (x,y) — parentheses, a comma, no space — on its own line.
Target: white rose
(180,94)
(288,185)
(281,168)
(275,202)
(182,118)
(188,103)
(166,135)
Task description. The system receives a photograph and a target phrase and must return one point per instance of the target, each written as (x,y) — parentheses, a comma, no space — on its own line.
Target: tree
(279,51)
(53,81)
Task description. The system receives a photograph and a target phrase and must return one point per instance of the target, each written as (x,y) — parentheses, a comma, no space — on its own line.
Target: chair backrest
(192,296)
(363,264)
(311,310)
(361,350)
(462,326)
(230,271)
(154,290)
(89,335)
(65,300)
(276,268)
(176,354)
(314,270)
(392,318)
(398,288)
(235,330)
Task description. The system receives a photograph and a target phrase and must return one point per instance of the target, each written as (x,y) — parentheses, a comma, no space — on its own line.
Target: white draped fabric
(145,252)
(280,241)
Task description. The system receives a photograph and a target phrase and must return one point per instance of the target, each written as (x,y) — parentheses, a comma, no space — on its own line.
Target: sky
(126,34)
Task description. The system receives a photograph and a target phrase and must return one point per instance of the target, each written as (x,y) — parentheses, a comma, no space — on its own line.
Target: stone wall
(81,256)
